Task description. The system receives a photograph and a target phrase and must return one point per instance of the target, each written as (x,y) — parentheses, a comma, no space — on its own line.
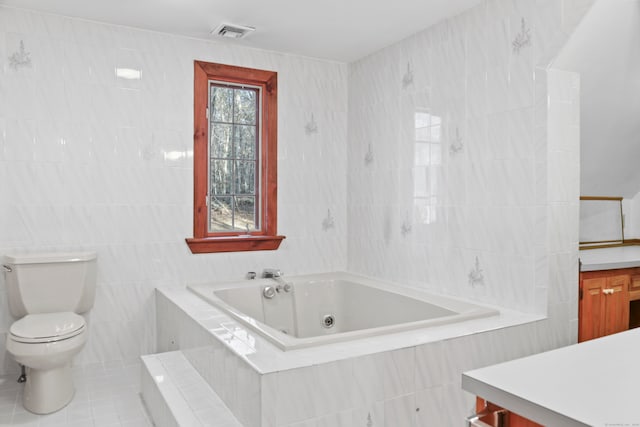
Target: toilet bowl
(45,344)
(46,292)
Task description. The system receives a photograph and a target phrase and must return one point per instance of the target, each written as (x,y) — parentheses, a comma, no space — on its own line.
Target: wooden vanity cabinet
(604,302)
(634,284)
(634,298)
(499,417)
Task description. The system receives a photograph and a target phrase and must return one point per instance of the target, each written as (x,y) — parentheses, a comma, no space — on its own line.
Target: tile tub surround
(176,395)
(386,377)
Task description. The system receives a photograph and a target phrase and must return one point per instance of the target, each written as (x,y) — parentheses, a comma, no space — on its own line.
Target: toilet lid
(47,327)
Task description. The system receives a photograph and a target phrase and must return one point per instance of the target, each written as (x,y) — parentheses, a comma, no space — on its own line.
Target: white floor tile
(107,395)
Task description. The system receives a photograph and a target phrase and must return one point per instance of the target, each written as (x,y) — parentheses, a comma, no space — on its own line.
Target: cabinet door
(617,305)
(512,419)
(592,309)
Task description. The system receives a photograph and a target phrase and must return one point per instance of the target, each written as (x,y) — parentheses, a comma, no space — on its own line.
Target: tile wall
(89,160)
(462,176)
(455,182)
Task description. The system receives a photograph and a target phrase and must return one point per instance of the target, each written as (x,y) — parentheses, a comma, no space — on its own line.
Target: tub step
(176,395)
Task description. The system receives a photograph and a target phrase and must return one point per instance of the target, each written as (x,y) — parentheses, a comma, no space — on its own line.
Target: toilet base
(49,390)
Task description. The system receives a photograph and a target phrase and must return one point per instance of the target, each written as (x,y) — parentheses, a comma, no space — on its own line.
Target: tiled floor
(106,395)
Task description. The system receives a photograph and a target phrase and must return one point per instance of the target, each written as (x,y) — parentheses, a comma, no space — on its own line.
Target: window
(235,159)
(428,160)
(234,135)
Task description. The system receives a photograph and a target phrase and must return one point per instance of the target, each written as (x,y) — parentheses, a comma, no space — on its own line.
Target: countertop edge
(609,258)
(609,266)
(516,404)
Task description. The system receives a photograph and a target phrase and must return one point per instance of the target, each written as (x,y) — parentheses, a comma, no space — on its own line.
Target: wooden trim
(595,242)
(607,273)
(634,295)
(267,237)
(235,74)
(234,244)
(629,242)
(200,150)
(601,198)
(605,243)
(270,156)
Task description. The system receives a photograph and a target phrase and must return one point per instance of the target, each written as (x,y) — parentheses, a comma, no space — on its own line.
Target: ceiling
(604,51)
(339,30)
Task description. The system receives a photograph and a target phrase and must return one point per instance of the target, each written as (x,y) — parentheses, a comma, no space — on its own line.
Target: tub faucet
(271,273)
(275,274)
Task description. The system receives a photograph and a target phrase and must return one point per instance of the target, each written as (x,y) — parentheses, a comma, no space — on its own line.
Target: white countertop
(594,383)
(610,258)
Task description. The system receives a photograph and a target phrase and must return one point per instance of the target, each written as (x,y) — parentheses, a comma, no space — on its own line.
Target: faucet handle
(271,273)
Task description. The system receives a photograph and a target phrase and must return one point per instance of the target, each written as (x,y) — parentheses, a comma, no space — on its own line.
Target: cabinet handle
(499,418)
(608,291)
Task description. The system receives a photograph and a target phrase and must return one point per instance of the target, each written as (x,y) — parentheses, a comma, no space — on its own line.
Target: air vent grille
(232,31)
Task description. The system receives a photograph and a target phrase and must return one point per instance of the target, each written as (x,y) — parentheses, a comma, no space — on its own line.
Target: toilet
(46,292)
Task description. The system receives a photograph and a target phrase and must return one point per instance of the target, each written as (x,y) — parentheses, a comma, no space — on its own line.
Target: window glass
(233,164)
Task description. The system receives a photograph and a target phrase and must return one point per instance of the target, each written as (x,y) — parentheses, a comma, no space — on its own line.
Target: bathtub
(332,307)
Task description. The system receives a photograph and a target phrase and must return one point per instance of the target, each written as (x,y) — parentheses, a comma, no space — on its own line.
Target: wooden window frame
(267,238)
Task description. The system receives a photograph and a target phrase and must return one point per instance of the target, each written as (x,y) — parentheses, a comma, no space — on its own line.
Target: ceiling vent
(232,31)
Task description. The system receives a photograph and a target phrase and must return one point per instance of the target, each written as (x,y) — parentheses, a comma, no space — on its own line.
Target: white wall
(83,166)
(631,215)
(603,50)
(500,179)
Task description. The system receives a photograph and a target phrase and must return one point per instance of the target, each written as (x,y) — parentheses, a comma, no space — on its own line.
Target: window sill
(234,244)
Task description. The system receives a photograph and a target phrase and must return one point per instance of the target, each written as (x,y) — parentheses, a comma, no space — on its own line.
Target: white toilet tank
(50,282)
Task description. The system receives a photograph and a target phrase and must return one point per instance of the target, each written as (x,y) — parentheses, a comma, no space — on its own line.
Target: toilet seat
(47,327)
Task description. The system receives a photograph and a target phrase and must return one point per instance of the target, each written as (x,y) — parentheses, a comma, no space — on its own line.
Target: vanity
(609,291)
(609,285)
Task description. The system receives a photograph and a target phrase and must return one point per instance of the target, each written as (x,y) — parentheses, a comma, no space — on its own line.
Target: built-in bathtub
(311,310)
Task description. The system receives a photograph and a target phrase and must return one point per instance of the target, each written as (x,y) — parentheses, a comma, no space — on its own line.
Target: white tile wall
(84,163)
(82,156)
(498,194)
